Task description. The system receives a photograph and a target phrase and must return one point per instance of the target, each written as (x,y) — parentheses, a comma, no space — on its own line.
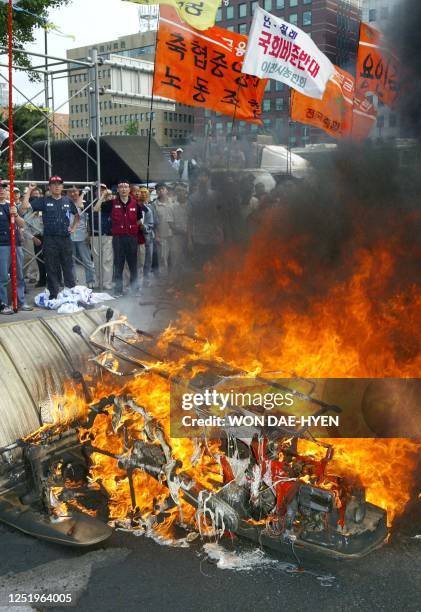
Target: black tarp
(121,157)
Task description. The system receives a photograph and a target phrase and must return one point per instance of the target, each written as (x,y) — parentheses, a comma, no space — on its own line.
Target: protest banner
(377,66)
(340,113)
(281,51)
(205,69)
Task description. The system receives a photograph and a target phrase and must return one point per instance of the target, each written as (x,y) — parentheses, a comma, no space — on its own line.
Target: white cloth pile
(72,300)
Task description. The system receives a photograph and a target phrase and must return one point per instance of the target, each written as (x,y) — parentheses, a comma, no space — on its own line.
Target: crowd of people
(146,232)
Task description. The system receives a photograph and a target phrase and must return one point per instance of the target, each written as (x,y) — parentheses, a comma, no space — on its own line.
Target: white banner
(279,50)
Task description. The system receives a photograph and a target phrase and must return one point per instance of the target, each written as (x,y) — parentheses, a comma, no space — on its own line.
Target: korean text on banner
(200,14)
(281,51)
(340,113)
(204,69)
(377,66)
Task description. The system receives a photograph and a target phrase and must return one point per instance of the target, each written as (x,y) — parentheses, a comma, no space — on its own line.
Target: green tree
(23,119)
(132,128)
(34,14)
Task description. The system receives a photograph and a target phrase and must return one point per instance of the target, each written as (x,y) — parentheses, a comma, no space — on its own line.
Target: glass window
(279,104)
(268,84)
(253,6)
(242,28)
(230,28)
(279,86)
(280,4)
(307,18)
(267,123)
(266,105)
(306,1)
(293,2)
(267,5)
(230,12)
(218,16)
(372,15)
(293,19)
(242,10)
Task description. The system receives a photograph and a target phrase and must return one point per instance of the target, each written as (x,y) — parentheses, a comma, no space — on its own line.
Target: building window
(267,123)
(280,4)
(279,104)
(279,86)
(293,2)
(268,84)
(266,105)
(230,28)
(267,5)
(306,1)
(230,12)
(307,18)
(218,16)
(242,10)
(253,6)
(372,15)
(242,28)
(293,19)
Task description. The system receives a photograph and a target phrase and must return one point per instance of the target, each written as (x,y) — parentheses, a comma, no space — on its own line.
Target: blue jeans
(82,252)
(147,267)
(5,264)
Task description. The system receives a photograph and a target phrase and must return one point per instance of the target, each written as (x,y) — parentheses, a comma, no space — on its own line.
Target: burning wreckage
(102,454)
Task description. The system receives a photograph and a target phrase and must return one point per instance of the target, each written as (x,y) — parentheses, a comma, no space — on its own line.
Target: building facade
(378,14)
(334,27)
(168,128)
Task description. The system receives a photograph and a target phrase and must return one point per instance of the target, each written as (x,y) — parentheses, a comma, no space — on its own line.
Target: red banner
(204,69)
(341,113)
(377,66)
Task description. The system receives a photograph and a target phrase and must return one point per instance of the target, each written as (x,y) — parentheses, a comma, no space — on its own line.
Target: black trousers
(38,250)
(125,249)
(58,256)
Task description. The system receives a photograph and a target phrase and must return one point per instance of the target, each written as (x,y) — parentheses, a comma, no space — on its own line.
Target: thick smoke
(404,34)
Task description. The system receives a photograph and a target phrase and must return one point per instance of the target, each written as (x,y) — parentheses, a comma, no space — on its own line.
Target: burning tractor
(106,457)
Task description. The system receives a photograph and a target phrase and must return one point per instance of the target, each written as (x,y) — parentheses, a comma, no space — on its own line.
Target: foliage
(132,128)
(24,25)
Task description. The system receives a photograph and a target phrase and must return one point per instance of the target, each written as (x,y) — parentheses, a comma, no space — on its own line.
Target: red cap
(55,179)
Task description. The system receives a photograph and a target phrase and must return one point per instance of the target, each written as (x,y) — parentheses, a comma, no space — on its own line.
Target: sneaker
(5,310)
(25,307)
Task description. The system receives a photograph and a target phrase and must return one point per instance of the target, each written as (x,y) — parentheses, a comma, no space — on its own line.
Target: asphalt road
(134,573)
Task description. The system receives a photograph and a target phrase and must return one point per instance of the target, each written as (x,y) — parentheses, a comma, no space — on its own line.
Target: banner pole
(151,107)
(234,117)
(11,161)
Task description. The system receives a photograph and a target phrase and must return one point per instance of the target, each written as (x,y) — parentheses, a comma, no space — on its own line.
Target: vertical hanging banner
(200,14)
(377,66)
(340,113)
(205,69)
(281,51)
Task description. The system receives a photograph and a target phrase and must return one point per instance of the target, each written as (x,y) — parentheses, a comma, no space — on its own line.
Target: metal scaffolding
(50,67)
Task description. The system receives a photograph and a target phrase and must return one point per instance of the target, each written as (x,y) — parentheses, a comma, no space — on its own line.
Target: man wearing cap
(58,253)
(5,253)
(126,216)
(186,169)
